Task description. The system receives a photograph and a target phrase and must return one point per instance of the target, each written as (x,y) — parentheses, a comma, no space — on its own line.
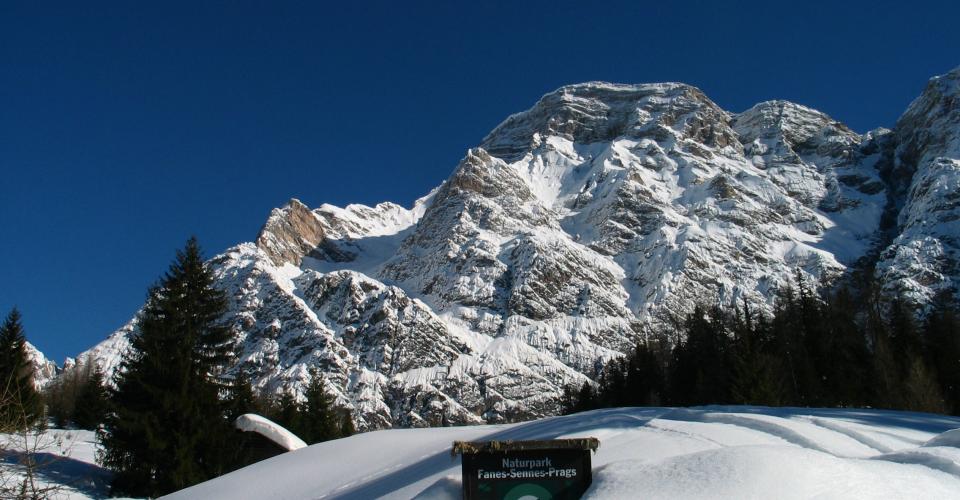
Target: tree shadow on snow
(924,422)
(55,469)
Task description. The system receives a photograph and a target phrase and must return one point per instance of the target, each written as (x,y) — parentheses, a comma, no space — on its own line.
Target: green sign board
(526,470)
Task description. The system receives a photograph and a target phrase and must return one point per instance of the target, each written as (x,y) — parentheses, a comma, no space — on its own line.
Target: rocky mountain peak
(794,123)
(290,233)
(485,175)
(598,112)
(931,125)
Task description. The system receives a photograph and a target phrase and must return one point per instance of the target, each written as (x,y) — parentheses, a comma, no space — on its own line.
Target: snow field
(708,452)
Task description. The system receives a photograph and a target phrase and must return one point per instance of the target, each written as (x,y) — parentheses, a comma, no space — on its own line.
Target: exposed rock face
(568,231)
(924,259)
(599,112)
(291,233)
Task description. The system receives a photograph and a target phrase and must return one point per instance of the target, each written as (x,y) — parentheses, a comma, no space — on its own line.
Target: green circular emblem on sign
(528,491)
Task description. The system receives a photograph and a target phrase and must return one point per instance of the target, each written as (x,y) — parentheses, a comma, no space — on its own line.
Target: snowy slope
(710,452)
(571,229)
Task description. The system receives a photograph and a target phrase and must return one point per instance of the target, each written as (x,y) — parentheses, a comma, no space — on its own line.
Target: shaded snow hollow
(669,453)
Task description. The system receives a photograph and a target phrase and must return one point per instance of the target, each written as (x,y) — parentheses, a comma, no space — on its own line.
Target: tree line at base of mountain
(844,347)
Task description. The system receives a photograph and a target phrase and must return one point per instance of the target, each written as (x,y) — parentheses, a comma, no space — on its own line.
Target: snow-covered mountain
(570,229)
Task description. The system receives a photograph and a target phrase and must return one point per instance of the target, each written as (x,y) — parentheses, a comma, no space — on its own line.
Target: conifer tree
(167,427)
(755,379)
(645,384)
(242,399)
(346,425)
(790,344)
(887,381)
(701,363)
(921,390)
(287,412)
(586,398)
(613,384)
(844,359)
(942,348)
(318,422)
(92,399)
(20,402)
(569,400)
(904,335)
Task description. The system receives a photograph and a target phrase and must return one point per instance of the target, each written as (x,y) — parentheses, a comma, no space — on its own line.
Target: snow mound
(269,429)
(707,452)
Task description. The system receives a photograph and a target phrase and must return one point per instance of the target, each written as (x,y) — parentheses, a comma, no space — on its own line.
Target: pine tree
(569,401)
(167,428)
(613,384)
(19,402)
(91,406)
(701,371)
(942,348)
(886,383)
(904,335)
(888,389)
(644,379)
(586,398)
(286,411)
(788,336)
(921,390)
(346,425)
(755,379)
(242,398)
(844,358)
(318,421)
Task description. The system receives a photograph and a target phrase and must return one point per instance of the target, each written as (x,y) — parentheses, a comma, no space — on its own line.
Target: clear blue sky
(125,127)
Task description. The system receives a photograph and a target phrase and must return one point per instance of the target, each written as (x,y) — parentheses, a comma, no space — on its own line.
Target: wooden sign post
(512,470)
